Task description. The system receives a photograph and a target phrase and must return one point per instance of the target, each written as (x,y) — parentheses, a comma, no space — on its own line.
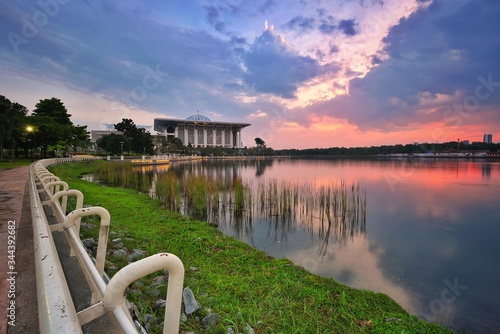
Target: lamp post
(30,129)
(121,144)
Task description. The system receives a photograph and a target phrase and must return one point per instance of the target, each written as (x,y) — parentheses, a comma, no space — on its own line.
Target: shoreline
(238,282)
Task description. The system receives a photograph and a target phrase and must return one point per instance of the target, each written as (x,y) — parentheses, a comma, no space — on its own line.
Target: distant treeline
(394,149)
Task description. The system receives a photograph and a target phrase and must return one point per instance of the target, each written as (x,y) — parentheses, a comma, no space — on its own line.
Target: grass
(242,285)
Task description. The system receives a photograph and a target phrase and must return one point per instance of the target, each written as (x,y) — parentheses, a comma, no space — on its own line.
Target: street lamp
(121,144)
(30,129)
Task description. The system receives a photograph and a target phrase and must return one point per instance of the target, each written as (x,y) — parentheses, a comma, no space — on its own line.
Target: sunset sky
(305,74)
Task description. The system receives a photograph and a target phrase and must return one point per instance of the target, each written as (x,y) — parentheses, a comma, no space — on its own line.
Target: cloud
(257,114)
(213,57)
(267,6)
(274,68)
(334,49)
(348,27)
(214,17)
(327,25)
(300,24)
(435,61)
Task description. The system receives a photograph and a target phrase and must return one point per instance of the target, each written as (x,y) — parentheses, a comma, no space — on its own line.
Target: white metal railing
(55,305)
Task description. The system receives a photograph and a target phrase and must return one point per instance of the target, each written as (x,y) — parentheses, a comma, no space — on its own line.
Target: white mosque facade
(200,131)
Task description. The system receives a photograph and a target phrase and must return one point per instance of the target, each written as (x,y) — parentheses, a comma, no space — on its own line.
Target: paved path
(17,278)
(15,220)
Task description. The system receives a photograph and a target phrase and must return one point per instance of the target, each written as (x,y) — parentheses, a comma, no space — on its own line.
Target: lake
(430,239)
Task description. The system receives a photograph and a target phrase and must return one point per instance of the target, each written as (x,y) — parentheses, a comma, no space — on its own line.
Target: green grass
(14,163)
(239,283)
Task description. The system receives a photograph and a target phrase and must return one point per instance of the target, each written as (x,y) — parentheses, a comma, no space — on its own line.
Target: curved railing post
(53,187)
(65,194)
(113,295)
(70,221)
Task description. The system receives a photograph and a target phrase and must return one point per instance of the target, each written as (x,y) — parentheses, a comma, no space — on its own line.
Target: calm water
(428,237)
(431,239)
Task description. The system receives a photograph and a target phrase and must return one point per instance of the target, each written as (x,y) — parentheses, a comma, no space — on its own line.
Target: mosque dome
(198,117)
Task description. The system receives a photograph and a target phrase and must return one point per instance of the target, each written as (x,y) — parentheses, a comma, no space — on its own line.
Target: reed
(122,174)
(324,209)
(167,189)
(319,208)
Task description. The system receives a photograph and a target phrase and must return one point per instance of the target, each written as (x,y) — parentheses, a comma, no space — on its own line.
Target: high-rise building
(488,138)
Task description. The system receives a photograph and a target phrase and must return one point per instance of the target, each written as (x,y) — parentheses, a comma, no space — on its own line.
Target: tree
(112,143)
(12,116)
(140,140)
(54,109)
(54,127)
(143,142)
(81,137)
(259,142)
(174,144)
(127,127)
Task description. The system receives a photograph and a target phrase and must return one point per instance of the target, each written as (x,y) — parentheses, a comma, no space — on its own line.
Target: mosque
(200,131)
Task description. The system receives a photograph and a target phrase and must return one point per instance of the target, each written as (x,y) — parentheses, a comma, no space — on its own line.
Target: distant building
(110,129)
(200,131)
(97,134)
(488,139)
(465,142)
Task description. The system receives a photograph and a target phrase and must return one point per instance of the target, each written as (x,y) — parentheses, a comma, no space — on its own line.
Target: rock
(113,233)
(190,303)
(184,317)
(113,267)
(117,243)
(136,255)
(159,280)
(147,318)
(86,225)
(160,303)
(210,321)
(89,242)
(121,254)
(230,330)
(249,330)
(154,292)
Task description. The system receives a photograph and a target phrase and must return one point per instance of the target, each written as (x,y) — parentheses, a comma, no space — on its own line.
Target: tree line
(448,147)
(48,129)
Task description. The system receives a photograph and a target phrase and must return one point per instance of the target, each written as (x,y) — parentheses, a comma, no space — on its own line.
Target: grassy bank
(237,282)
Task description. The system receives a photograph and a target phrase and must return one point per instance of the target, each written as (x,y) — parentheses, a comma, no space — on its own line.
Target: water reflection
(429,223)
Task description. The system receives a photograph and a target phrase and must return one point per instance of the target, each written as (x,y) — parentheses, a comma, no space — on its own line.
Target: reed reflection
(430,220)
(214,191)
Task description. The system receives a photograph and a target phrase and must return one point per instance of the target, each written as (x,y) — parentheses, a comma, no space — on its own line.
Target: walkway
(15,215)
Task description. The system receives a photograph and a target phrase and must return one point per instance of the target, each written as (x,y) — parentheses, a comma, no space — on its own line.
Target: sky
(305,74)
